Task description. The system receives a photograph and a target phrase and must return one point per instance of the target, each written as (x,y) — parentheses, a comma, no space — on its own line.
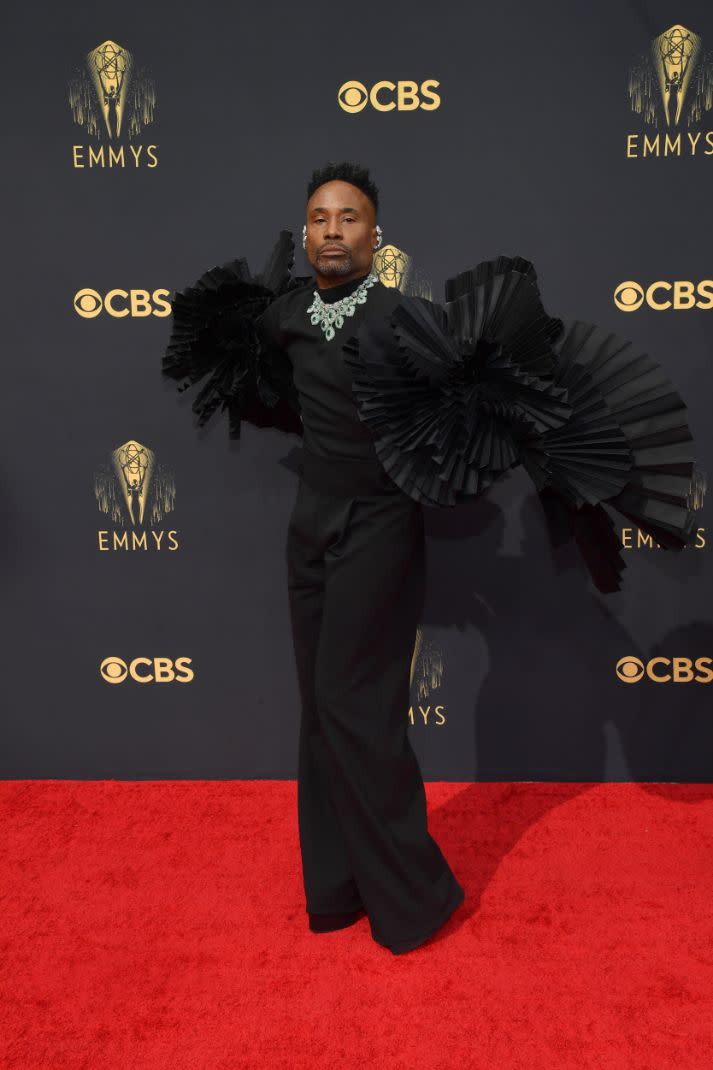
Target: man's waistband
(346,477)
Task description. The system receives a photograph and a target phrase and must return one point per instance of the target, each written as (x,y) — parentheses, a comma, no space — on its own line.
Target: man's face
(341,232)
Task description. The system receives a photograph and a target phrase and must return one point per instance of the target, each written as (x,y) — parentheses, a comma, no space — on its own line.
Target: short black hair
(345,172)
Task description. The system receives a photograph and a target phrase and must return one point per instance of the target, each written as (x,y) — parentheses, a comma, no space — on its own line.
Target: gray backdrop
(526,155)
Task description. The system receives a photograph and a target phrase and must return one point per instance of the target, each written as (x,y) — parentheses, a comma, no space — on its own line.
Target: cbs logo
(665,670)
(147,670)
(630,296)
(119,303)
(387,96)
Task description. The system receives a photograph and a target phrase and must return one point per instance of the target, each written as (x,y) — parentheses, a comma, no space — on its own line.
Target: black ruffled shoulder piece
(627,446)
(450,393)
(216,340)
(455,396)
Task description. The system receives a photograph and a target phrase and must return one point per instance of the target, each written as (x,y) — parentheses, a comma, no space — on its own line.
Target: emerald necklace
(331,316)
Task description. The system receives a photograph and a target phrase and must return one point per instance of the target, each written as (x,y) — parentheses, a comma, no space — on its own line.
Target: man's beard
(332,265)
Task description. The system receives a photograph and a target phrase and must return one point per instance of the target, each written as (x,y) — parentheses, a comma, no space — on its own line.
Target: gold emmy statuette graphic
(698,491)
(675,81)
(397,270)
(110,95)
(392,266)
(674,54)
(427,672)
(133,465)
(133,488)
(110,70)
(426,665)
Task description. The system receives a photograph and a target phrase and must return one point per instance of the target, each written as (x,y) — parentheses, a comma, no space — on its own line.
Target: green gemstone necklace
(331,316)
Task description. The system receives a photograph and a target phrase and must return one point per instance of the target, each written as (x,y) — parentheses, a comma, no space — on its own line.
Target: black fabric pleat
(215,342)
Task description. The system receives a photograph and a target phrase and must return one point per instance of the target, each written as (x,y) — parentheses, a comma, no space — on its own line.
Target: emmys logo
(671,88)
(147,670)
(397,270)
(642,541)
(426,675)
(427,715)
(697,490)
(121,303)
(353,96)
(392,266)
(135,492)
(113,100)
(631,670)
(679,295)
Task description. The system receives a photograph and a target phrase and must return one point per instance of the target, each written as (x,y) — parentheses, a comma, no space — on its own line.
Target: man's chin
(334,265)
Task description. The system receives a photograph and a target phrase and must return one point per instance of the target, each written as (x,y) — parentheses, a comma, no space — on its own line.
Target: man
(355,556)
(430,405)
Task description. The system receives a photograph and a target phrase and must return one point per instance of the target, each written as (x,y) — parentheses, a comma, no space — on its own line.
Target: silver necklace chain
(330,317)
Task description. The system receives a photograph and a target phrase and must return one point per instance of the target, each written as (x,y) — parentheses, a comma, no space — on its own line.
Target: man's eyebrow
(321,209)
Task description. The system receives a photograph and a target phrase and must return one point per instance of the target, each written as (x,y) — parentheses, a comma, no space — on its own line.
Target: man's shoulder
(385,292)
(383,298)
(388,297)
(281,307)
(302,288)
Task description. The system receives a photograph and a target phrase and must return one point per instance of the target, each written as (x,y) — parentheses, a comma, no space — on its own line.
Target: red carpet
(148,925)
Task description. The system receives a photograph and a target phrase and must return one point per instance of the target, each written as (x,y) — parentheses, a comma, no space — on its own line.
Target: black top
(330,421)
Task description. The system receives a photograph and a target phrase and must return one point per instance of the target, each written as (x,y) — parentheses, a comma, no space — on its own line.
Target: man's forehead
(342,208)
(336,190)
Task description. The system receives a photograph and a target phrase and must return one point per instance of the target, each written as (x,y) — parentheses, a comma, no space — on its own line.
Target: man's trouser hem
(413,942)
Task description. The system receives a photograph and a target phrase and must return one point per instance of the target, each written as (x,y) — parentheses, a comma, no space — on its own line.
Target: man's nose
(333,229)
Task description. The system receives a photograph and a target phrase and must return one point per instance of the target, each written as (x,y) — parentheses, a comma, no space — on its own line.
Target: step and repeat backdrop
(147,629)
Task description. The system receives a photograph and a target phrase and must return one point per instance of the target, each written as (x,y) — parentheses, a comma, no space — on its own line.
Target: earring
(304,235)
(379,238)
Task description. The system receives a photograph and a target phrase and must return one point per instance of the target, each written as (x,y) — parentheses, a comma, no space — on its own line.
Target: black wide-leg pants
(355,558)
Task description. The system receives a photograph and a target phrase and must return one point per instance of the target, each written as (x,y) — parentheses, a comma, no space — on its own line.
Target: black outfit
(355,556)
(411,404)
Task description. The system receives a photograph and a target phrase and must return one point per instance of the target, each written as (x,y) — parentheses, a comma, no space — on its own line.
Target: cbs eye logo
(630,296)
(120,303)
(387,96)
(147,670)
(631,670)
